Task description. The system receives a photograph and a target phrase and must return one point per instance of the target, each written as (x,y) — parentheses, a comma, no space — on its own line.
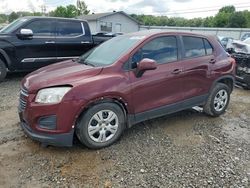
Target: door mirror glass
(26,33)
(145,65)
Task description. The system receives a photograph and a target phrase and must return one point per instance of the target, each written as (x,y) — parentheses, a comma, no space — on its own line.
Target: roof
(153,32)
(93,17)
(45,17)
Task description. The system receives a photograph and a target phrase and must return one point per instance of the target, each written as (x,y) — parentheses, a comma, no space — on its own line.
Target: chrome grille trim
(23,98)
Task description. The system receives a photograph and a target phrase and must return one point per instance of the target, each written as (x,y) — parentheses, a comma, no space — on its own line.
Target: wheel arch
(5,58)
(229,80)
(107,99)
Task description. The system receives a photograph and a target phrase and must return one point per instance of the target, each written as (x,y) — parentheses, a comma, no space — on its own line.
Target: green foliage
(227,9)
(237,20)
(82,8)
(70,11)
(13,16)
(226,17)
(3,18)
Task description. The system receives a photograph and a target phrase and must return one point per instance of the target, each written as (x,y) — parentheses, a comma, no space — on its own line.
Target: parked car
(30,43)
(124,81)
(245,36)
(225,40)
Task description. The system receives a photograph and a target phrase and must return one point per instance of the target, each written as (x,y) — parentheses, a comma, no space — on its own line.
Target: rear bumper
(65,139)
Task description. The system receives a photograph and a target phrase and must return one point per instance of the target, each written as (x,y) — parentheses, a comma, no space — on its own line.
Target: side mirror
(25,33)
(145,65)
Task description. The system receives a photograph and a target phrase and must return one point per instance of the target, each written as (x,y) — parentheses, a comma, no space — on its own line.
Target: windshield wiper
(85,62)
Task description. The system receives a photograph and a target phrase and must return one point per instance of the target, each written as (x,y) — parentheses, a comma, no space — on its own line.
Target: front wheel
(101,125)
(218,100)
(3,70)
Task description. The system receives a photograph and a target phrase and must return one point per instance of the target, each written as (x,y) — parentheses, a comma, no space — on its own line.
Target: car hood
(64,73)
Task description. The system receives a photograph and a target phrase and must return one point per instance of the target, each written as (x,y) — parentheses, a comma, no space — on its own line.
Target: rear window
(69,29)
(194,47)
(208,47)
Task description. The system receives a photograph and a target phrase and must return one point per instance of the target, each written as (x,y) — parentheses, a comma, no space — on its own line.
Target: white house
(111,22)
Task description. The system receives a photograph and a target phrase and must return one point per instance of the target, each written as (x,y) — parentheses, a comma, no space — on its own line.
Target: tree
(59,12)
(82,7)
(71,11)
(227,9)
(13,16)
(3,18)
(237,20)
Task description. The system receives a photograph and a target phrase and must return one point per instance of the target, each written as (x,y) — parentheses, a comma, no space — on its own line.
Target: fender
(231,77)
(108,98)
(5,55)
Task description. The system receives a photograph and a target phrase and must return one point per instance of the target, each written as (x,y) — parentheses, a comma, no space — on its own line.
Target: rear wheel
(3,70)
(218,100)
(101,125)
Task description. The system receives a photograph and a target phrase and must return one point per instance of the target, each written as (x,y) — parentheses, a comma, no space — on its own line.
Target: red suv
(126,80)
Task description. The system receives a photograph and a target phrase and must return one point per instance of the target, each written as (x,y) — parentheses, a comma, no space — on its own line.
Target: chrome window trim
(31,60)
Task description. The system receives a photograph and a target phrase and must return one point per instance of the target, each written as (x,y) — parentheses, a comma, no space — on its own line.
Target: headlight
(51,95)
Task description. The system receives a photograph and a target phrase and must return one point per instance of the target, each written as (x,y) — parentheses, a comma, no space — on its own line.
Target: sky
(179,8)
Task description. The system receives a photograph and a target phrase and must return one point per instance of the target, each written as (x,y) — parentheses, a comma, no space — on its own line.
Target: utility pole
(43,8)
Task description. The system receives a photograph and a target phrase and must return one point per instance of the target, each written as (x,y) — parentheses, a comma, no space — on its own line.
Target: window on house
(106,26)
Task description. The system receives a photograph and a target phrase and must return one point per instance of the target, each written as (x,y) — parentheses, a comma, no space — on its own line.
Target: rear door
(73,38)
(40,50)
(160,87)
(198,57)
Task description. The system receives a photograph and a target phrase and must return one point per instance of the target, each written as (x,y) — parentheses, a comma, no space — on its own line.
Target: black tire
(210,107)
(3,71)
(88,118)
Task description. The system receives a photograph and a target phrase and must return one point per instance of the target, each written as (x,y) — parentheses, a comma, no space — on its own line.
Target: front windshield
(13,26)
(109,52)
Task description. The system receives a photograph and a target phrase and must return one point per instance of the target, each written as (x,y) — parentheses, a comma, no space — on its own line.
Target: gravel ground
(186,149)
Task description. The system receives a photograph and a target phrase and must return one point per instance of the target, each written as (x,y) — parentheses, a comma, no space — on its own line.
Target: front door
(161,87)
(39,50)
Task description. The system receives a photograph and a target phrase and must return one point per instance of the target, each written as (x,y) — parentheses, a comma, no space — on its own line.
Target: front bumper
(65,139)
(243,80)
(49,124)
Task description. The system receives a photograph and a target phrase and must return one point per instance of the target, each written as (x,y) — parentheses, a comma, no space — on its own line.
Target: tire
(95,131)
(3,71)
(218,100)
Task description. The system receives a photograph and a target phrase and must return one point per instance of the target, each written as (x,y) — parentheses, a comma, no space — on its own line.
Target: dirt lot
(187,149)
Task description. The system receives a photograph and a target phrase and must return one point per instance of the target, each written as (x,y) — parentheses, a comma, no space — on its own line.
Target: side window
(162,50)
(42,28)
(194,47)
(69,29)
(209,48)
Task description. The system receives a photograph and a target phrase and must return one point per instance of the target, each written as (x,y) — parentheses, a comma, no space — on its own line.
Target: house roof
(93,17)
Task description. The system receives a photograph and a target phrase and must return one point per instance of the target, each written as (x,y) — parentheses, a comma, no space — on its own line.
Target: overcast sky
(183,8)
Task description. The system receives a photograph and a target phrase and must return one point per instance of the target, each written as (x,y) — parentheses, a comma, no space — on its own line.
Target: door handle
(212,61)
(177,71)
(50,42)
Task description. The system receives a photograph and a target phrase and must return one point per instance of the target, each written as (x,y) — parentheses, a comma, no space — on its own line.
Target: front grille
(23,98)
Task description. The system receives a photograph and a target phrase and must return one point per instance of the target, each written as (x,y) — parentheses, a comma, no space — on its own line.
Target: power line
(195,11)
(201,8)
(199,11)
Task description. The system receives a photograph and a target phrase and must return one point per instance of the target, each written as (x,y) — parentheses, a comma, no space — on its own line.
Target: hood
(64,73)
